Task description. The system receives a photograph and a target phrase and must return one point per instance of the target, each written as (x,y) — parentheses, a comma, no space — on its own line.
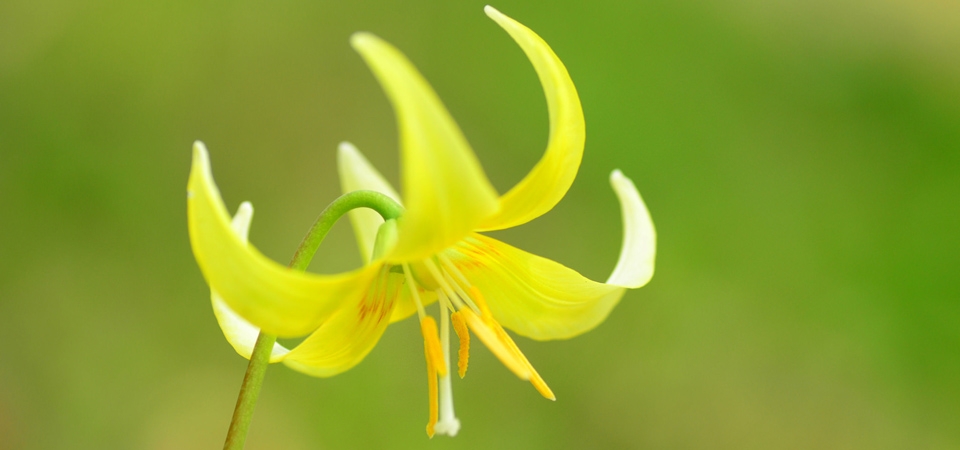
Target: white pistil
(413,292)
(448,423)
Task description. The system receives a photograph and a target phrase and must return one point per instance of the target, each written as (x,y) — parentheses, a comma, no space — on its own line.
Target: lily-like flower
(432,252)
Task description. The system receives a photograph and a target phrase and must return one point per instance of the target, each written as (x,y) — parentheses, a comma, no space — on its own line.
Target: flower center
(437,350)
(462,304)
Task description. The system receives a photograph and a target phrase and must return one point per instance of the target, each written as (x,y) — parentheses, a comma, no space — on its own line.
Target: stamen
(432,392)
(535,378)
(413,292)
(447,283)
(448,423)
(442,281)
(463,357)
(481,302)
(448,264)
(492,341)
(428,327)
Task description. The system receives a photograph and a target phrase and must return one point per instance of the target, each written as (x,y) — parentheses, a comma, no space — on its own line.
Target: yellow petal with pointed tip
(344,340)
(357,174)
(447,194)
(550,179)
(241,335)
(531,295)
(542,299)
(273,297)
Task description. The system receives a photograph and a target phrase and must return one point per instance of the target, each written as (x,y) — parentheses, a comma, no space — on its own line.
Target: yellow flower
(432,252)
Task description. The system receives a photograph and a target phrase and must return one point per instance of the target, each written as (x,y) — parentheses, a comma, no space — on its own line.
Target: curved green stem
(260,358)
(386,206)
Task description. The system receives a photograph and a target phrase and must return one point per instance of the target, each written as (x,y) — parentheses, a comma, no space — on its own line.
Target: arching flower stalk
(430,252)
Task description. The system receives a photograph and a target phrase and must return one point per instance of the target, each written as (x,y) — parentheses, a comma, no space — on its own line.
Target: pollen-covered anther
(435,364)
(431,342)
(518,357)
(432,396)
(463,335)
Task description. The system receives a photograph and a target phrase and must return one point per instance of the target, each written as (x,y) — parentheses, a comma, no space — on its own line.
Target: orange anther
(463,357)
(431,342)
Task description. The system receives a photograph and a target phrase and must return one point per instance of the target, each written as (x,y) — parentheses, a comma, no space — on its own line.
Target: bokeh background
(801,159)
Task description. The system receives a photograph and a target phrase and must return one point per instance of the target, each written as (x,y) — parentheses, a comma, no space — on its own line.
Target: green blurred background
(801,159)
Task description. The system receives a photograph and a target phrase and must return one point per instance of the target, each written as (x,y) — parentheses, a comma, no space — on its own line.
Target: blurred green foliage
(801,160)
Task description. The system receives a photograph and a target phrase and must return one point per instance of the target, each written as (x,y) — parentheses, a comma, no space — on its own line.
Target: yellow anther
(431,343)
(489,338)
(432,393)
(508,343)
(463,357)
(501,344)
(540,385)
(535,378)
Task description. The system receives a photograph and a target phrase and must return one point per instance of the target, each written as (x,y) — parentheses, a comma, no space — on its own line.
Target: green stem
(260,357)
(386,206)
(249,391)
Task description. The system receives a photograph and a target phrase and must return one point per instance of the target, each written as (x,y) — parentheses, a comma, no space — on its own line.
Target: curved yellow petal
(242,335)
(357,174)
(542,299)
(277,299)
(351,333)
(639,248)
(550,179)
(447,194)
(531,295)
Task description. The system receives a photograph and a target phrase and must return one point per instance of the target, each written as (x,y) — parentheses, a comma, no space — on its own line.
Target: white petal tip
(241,221)
(616,176)
(200,151)
(201,160)
(362,39)
(496,15)
(347,150)
(246,208)
(638,252)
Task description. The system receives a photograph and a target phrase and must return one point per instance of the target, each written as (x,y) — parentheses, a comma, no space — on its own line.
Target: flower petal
(446,192)
(550,179)
(406,307)
(639,248)
(357,174)
(542,299)
(344,340)
(279,300)
(242,335)
(531,295)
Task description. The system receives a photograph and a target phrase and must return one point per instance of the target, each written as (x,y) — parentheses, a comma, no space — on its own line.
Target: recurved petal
(242,335)
(639,249)
(550,179)
(275,298)
(357,174)
(542,299)
(447,194)
(531,295)
(344,340)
